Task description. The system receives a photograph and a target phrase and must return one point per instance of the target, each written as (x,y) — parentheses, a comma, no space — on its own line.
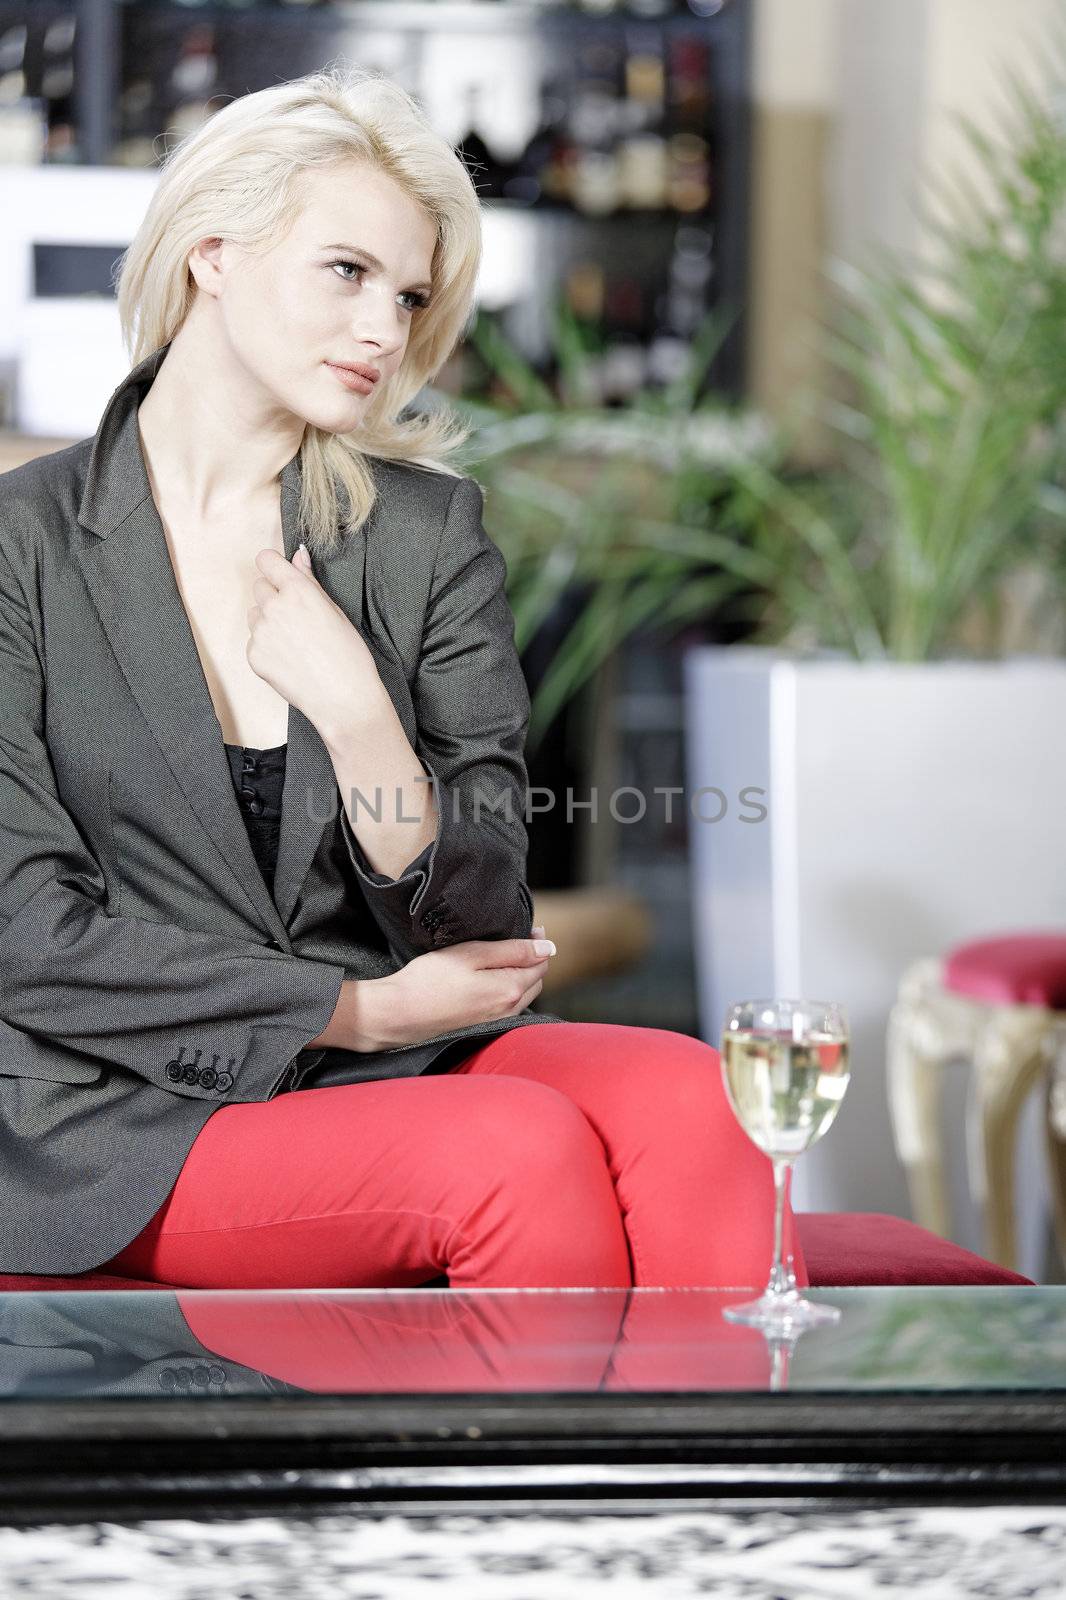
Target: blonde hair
(237,177)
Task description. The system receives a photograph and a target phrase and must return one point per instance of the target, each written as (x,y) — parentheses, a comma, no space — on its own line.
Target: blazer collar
(129,574)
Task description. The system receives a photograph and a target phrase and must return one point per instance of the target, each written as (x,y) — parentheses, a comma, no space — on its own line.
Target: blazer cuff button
(224,1081)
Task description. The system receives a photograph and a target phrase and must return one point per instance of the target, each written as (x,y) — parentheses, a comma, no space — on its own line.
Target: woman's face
(345,286)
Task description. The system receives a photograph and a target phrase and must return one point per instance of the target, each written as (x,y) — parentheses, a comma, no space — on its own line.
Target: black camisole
(258,777)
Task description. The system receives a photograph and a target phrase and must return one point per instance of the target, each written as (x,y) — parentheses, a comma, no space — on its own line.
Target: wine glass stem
(782,1276)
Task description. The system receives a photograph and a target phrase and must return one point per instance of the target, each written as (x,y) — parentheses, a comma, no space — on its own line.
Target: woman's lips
(352,380)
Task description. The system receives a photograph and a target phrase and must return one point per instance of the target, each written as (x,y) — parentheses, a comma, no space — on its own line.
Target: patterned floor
(996,1553)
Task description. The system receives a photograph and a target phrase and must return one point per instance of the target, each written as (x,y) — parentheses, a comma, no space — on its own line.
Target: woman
(253,1036)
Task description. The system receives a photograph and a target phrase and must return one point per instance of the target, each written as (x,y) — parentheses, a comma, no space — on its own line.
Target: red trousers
(577,1154)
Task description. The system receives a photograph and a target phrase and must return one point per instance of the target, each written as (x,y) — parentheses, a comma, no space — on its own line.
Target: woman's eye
(356,266)
(416,301)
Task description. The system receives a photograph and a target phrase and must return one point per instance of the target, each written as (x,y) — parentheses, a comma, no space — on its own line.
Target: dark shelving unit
(255,45)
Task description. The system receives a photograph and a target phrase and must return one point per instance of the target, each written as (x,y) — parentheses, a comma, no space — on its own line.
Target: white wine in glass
(786,1067)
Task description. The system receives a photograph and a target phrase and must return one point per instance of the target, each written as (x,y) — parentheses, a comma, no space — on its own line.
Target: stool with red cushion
(999,1002)
(1013,969)
(840,1248)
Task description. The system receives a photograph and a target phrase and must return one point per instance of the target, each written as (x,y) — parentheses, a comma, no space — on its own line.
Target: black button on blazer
(147,975)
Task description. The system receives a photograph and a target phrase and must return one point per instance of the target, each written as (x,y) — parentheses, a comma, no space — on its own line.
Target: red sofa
(842,1248)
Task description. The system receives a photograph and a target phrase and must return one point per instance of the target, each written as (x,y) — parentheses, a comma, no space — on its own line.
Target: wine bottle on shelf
(192,80)
(487,173)
(57,88)
(597,115)
(625,359)
(689,84)
(691,148)
(669,349)
(623,371)
(23,115)
(643,160)
(140,119)
(689,172)
(558,174)
(624,304)
(668,355)
(584,288)
(539,173)
(690,276)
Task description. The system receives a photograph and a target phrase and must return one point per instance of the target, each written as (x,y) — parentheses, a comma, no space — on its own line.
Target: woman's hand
(477,981)
(305,647)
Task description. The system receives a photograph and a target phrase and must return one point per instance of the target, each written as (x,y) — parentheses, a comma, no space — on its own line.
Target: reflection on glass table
(202,1345)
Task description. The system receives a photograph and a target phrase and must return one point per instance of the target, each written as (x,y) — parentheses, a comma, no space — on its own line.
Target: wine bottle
(487,174)
(643,160)
(539,173)
(596,121)
(57,88)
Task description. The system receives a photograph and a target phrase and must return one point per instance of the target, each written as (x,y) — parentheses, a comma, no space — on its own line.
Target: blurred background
(766,382)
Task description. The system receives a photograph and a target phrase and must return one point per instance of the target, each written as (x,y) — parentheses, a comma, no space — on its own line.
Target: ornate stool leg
(919,1038)
(1055,1127)
(1009,1058)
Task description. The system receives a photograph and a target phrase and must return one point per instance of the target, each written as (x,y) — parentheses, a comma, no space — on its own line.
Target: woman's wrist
(358,1017)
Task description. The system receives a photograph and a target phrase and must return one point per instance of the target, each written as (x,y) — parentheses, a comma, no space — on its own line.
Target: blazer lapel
(130,577)
(311,800)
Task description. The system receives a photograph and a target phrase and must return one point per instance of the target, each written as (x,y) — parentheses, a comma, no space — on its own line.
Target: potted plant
(901,702)
(623,514)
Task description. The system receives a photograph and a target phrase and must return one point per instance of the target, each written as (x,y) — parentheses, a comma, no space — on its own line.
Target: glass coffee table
(189,1402)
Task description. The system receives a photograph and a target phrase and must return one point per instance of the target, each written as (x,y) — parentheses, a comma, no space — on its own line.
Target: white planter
(908,807)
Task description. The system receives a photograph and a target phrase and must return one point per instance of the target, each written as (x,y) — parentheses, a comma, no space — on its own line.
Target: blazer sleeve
(129,992)
(471,706)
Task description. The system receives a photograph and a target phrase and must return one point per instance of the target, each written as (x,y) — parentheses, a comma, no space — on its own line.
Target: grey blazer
(146,974)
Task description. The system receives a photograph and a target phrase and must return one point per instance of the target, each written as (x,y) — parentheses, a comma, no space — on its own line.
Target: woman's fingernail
(544,947)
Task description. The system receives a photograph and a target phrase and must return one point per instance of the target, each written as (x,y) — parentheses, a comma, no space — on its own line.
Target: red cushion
(845,1248)
(80,1280)
(840,1248)
(1019,968)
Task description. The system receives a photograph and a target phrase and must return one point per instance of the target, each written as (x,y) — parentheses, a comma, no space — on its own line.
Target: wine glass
(785,1064)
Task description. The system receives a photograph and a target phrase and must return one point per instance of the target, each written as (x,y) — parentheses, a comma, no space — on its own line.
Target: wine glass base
(787,1311)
